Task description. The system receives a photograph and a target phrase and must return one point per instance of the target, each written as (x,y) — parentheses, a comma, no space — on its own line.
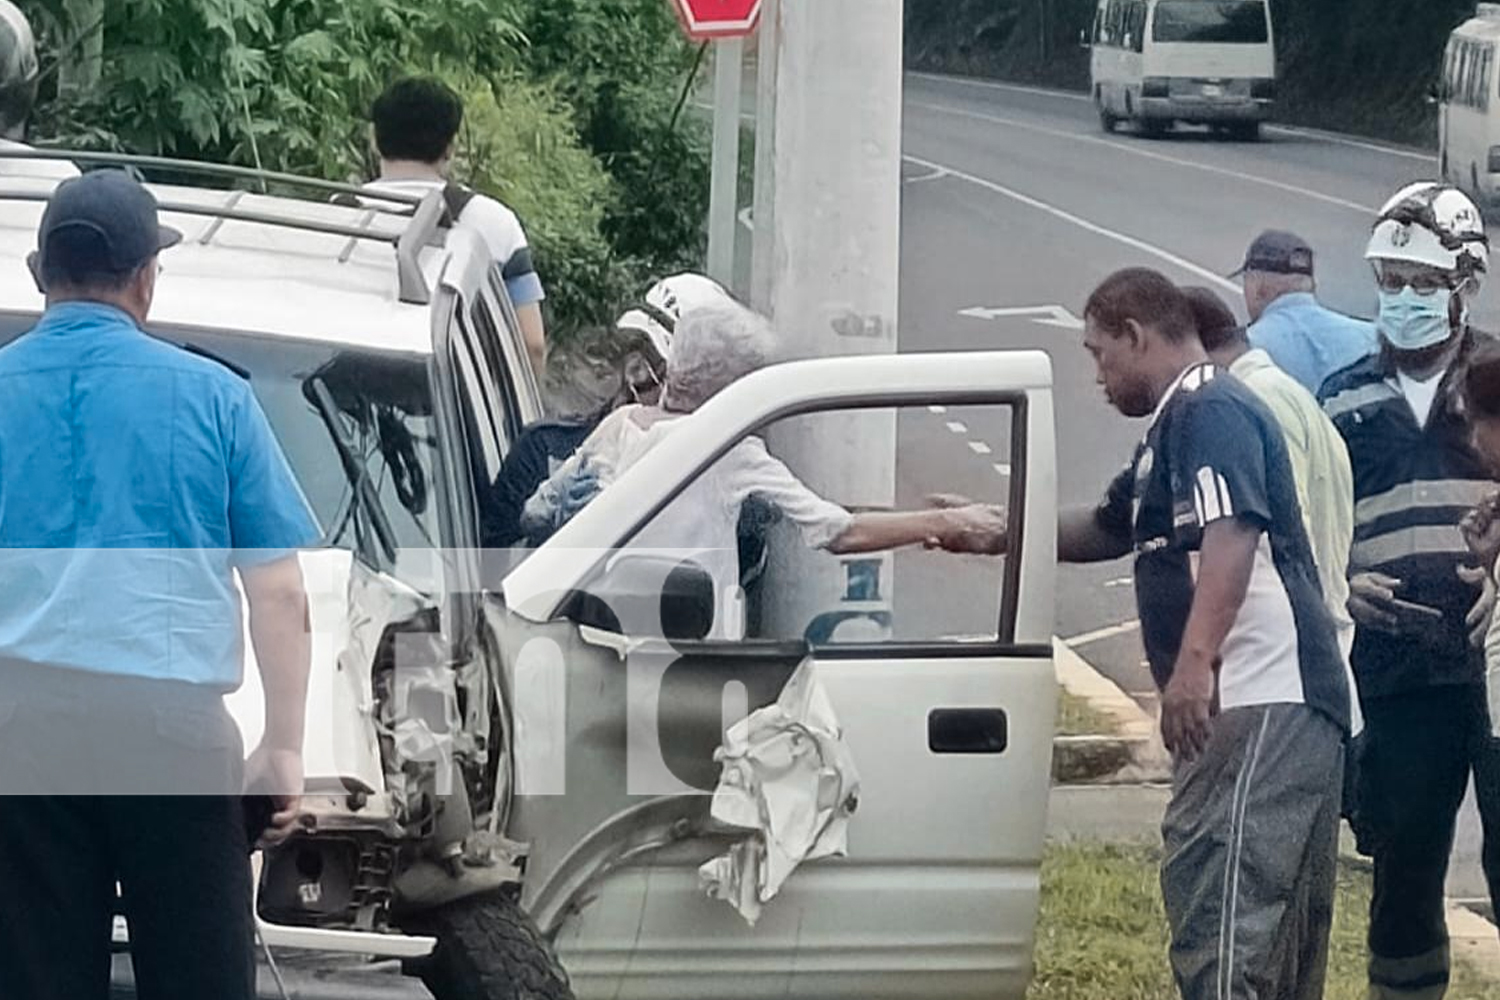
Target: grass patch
(1103,935)
(1076,717)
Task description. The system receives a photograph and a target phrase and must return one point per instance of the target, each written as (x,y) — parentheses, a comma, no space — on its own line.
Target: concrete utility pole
(826,261)
(729,61)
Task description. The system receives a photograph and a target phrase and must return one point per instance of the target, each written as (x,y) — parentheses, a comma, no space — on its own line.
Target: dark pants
(180,862)
(1416,755)
(118,781)
(1251,845)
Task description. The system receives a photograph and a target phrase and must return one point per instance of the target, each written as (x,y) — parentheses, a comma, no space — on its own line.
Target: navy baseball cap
(1278,252)
(106,217)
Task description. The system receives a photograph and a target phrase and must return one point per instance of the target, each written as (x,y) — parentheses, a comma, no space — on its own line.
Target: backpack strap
(456,198)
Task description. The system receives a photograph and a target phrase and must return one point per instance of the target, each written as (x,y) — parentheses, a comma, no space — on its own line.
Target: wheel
(1108,121)
(487,949)
(1245,131)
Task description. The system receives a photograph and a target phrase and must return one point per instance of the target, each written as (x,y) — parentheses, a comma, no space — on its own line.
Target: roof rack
(426,213)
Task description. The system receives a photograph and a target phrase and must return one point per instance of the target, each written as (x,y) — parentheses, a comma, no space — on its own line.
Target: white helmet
(1433,224)
(665,302)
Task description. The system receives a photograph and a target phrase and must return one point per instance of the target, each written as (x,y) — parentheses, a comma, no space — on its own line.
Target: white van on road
(1159,62)
(1469,112)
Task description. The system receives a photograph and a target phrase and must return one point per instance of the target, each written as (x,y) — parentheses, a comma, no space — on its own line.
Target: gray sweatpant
(1251,843)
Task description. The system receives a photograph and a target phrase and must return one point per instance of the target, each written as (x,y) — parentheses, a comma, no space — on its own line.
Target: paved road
(1014,197)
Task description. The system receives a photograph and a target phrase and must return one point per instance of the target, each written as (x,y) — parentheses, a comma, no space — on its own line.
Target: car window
(1221,21)
(748,522)
(509,418)
(484,417)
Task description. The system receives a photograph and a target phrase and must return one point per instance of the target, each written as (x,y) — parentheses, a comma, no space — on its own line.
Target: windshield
(382,410)
(1240,22)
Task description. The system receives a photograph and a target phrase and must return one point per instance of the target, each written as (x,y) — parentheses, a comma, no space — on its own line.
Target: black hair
(1217,325)
(417,118)
(1145,296)
(77,259)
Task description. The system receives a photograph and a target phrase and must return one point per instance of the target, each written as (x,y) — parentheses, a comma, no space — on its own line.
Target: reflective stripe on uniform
(1420,977)
(1421,540)
(1361,395)
(1422,493)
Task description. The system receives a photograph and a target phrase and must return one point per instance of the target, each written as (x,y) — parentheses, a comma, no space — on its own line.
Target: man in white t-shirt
(18,80)
(416,126)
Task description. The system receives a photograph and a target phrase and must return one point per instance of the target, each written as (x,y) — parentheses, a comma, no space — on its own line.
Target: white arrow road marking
(747,218)
(1046,315)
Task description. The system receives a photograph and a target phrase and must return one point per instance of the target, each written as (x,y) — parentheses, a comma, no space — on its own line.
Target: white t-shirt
(496,225)
(1420,393)
(702,522)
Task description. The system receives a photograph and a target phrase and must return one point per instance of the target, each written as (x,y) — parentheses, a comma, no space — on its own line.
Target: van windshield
(1238,22)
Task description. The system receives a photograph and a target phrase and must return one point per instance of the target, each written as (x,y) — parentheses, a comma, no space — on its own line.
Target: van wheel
(1108,120)
(1245,131)
(487,949)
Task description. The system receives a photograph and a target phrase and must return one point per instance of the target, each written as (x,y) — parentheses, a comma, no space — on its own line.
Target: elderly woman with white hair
(715,346)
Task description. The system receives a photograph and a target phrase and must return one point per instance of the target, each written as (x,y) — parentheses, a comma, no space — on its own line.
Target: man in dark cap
(135,480)
(1307,340)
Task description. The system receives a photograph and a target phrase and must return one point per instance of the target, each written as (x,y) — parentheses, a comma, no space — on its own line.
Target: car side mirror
(646,597)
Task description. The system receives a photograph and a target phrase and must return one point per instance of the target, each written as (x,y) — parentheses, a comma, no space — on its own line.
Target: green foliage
(623,65)
(569,110)
(519,144)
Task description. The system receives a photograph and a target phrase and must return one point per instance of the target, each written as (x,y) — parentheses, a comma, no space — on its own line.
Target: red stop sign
(704,19)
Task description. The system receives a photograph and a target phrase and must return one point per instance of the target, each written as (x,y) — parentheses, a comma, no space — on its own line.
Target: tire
(488,949)
(1107,120)
(1245,131)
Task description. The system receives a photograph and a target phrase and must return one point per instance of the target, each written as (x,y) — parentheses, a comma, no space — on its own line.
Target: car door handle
(967,730)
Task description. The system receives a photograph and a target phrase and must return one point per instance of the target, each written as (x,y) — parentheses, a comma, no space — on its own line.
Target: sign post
(726,23)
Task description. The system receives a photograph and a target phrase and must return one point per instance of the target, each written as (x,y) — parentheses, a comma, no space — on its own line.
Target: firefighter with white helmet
(640,350)
(1420,604)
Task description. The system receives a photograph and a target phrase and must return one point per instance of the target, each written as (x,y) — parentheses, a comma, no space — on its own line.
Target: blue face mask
(1410,321)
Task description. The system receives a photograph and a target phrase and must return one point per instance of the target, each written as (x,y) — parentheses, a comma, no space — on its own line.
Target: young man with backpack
(416,127)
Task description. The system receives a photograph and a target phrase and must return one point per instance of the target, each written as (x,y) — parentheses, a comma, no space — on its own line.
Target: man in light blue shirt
(135,480)
(1306,339)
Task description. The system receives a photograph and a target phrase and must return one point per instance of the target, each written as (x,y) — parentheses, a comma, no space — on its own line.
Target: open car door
(947,706)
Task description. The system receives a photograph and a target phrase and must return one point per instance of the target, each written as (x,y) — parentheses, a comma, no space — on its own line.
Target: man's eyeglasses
(1422,284)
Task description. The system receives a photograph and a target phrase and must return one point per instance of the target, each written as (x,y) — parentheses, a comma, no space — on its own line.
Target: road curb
(1132,755)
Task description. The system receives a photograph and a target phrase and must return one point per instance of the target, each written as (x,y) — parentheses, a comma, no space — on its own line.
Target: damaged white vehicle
(512,762)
